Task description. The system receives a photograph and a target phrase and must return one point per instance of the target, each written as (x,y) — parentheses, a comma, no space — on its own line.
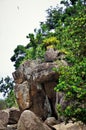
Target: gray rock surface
(4,118)
(35,81)
(29,121)
(51,55)
(51,121)
(36,89)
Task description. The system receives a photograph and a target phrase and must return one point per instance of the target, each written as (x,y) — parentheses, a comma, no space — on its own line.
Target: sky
(18,18)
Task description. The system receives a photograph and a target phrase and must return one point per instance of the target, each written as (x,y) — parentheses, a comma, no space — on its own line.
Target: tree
(72,80)
(19,54)
(73,84)
(34,49)
(53,16)
(6,87)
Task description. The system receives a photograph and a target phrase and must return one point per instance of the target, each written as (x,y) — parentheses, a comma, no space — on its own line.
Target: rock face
(2,127)
(51,55)
(14,115)
(9,118)
(29,121)
(50,121)
(70,126)
(4,117)
(35,81)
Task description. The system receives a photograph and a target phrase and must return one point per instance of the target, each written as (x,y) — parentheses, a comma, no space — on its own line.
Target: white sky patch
(1,96)
(18,18)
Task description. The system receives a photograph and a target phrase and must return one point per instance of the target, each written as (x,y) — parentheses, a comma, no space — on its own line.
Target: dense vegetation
(6,87)
(65,30)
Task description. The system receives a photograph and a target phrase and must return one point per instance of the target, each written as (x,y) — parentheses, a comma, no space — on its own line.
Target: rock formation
(29,121)
(4,116)
(35,81)
(34,89)
(9,118)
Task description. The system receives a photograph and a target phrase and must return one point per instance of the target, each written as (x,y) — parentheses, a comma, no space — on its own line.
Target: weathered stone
(22,92)
(2,127)
(29,121)
(70,126)
(50,121)
(34,89)
(51,55)
(31,94)
(34,72)
(19,76)
(40,104)
(44,72)
(14,115)
(4,117)
(33,98)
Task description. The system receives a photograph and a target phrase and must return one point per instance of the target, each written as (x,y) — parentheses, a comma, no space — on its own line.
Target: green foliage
(72,80)
(50,42)
(32,50)
(72,36)
(10,100)
(67,3)
(53,16)
(35,48)
(73,83)
(6,87)
(40,51)
(19,54)
(2,104)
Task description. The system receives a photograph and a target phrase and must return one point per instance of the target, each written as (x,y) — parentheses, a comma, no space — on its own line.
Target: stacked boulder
(9,118)
(34,89)
(35,81)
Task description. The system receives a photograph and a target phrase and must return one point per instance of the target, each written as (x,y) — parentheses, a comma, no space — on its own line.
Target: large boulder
(29,121)
(35,71)
(4,118)
(40,103)
(9,118)
(70,126)
(35,81)
(22,92)
(33,98)
(2,127)
(50,121)
(51,55)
